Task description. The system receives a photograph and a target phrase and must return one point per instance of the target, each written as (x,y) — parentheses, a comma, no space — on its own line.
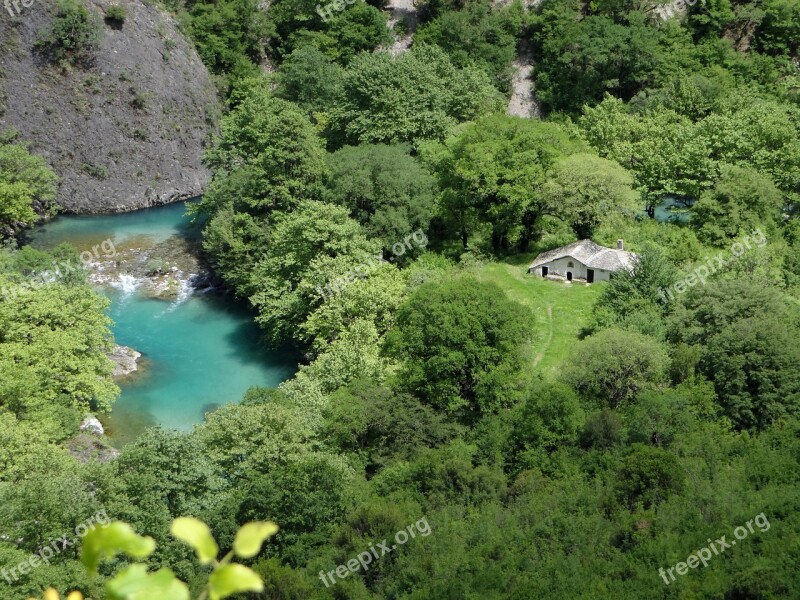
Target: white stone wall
(561,266)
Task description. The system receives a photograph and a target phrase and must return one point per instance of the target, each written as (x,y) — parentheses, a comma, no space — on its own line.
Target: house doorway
(590,276)
(545,271)
(569,275)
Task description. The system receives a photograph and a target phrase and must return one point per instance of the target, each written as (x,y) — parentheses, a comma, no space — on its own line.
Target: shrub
(73,36)
(115,16)
(155,266)
(139,100)
(96,171)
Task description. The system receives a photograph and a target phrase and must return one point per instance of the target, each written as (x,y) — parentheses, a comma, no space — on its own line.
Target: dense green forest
(379,211)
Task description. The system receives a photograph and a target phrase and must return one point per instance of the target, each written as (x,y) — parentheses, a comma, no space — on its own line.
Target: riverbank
(199,347)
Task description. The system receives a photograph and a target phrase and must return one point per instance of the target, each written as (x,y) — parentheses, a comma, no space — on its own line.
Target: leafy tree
(760,134)
(267,158)
(755,584)
(276,140)
(311,79)
(777,26)
(244,441)
(54,338)
(26,183)
(460,343)
(412,97)
(448,475)
(755,367)
(584,189)
(691,95)
(580,60)
(665,152)
(307,248)
(308,496)
(384,188)
(741,201)
(430,9)
(15,204)
(168,474)
(714,18)
(377,423)
(288,17)
(640,289)
(358,27)
(492,172)
(116,15)
(659,418)
(355,354)
(550,418)
(649,475)
(34,511)
(747,335)
(479,34)
(603,430)
(230,36)
(374,299)
(791,256)
(614,366)
(683,365)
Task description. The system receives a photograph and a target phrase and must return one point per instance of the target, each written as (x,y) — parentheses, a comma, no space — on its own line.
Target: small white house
(583,261)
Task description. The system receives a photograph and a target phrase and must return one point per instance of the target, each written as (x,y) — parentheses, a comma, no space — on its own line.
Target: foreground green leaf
(251,536)
(233,579)
(135,583)
(196,534)
(106,542)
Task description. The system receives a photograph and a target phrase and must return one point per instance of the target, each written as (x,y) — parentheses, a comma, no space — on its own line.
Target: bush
(648,475)
(139,100)
(73,36)
(116,15)
(614,366)
(155,266)
(96,171)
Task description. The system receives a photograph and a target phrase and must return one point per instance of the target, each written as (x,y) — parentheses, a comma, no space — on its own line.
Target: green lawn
(560,311)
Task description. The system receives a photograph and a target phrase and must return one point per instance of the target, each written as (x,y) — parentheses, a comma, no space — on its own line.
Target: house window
(571,264)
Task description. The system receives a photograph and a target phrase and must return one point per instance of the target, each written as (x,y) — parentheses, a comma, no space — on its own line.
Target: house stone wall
(579,270)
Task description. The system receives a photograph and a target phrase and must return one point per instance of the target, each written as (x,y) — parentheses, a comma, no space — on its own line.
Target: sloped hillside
(127,132)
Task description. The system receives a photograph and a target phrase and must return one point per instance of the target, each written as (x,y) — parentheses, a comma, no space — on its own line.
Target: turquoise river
(200,350)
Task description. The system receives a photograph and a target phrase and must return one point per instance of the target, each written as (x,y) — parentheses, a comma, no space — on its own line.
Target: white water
(126,284)
(186,291)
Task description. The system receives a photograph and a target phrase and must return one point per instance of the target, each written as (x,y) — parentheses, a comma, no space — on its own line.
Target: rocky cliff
(127,133)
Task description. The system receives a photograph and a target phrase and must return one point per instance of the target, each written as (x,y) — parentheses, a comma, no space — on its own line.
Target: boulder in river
(125,360)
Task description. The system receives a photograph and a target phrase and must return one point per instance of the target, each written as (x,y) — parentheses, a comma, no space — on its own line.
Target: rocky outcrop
(92,425)
(127,133)
(167,270)
(405,12)
(91,443)
(88,447)
(523,101)
(125,362)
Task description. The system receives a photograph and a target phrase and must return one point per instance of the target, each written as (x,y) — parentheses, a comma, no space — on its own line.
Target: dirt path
(523,102)
(402,10)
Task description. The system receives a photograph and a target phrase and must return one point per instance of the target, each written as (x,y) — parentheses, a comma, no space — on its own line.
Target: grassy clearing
(560,311)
